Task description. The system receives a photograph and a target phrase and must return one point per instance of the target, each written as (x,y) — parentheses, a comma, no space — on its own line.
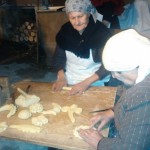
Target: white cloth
(79,69)
(126,51)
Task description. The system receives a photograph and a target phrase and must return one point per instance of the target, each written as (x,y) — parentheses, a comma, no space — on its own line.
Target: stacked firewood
(27,32)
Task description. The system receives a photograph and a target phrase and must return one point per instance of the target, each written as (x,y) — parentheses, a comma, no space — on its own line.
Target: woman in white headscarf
(79,46)
(126,55)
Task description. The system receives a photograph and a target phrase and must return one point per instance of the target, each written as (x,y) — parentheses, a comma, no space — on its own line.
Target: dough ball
(26,101)
(36,108)
(24,114)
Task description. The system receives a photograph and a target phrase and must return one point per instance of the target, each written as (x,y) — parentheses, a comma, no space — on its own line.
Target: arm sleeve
(59,59)
(133,130)
(97,56)
(102,72)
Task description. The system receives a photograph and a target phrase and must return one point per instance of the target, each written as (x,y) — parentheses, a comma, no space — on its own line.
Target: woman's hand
(79,88)
(60,83)
(84,85)
(91,136)
(104,117)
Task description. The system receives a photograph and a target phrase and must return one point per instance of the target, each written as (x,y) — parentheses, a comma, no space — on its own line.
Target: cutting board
(58,133)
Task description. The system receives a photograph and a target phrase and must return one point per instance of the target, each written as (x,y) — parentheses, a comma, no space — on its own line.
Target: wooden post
(4,90)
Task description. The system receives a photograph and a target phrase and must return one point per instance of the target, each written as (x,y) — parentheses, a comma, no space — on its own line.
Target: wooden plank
(4,89)
(58,132)
(49,24)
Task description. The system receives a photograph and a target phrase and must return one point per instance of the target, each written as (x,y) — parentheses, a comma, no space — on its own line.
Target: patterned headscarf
(126,51)
(84,6)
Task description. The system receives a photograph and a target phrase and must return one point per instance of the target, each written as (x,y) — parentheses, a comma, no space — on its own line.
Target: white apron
(79,69)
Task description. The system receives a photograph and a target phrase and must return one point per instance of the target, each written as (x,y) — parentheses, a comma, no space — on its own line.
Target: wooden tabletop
(58,133)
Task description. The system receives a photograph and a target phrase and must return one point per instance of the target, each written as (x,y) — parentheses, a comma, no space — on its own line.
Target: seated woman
(79,46)
(126,55)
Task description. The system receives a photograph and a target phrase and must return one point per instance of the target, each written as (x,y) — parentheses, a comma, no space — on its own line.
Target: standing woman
(110,9)
(136,16)
(79,46)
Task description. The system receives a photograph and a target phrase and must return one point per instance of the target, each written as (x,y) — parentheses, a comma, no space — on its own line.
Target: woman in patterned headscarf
(80,41)
(126,55)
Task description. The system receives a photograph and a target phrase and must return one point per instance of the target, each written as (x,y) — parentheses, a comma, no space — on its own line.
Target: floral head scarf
(126,51)
(84,6)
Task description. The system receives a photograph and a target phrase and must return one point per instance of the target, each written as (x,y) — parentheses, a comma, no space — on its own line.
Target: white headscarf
(84,6)
(126,51)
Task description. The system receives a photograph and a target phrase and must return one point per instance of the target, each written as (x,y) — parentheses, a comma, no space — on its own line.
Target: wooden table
(58,132)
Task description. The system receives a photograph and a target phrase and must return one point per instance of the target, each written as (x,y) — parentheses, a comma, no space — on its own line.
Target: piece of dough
(12,111)
(76,133)
(24,101)
(24,114)
(71,110)
(3,126)
(65,109)
(104,131)
(48,112)
(56,109)
(76,109)
(36,108)
(11,107)
(67,88)
(39,121)
(6,107)
(27,128)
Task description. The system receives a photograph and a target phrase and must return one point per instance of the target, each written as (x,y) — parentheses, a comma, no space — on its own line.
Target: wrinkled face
(79,20)
(127,77)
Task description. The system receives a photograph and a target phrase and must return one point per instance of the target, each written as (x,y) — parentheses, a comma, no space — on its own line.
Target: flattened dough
(26,128)
(76,133)
(104,131)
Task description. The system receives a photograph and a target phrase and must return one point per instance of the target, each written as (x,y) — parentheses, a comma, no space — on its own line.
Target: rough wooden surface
(4,89)
(58,132)
(49,23)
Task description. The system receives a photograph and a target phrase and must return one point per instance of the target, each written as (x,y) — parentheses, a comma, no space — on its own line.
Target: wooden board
(58,132)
